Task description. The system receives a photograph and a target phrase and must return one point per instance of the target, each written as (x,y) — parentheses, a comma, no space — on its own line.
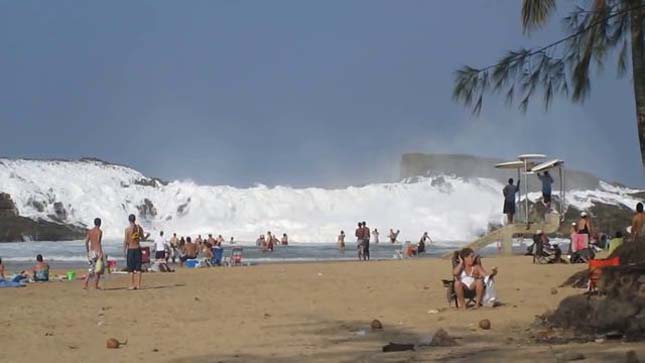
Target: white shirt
(160,244)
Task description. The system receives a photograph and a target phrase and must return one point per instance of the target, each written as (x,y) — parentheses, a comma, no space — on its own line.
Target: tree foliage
(594,30)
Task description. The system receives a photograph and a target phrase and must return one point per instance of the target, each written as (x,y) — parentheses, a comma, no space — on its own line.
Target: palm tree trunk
(638,69)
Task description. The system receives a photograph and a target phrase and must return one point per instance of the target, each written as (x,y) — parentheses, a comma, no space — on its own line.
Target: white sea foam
(449,208)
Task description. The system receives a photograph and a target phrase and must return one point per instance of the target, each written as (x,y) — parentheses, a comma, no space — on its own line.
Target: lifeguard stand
(527,164)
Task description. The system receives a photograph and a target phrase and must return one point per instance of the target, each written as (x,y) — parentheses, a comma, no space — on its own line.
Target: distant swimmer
(132,250)
(285,239)
(341,241)
(375,235)
(220,240)
(394,235)
(95,254)
(211,241)
(260,241)
(509,192)
(638,224)
(232,241)
(366,242)
(198,240)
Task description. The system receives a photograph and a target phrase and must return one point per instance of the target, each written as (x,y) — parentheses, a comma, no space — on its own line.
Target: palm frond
(535,13)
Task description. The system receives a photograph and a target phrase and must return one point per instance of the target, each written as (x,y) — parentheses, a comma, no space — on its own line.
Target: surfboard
(547,165)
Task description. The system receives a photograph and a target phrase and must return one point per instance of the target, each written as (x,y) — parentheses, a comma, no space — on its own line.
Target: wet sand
(313,312)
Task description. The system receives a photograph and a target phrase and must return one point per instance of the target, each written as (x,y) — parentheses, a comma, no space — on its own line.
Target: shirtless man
(366,242)
(638,224)
(220,240)
(94,252)
(211,241)
(285,239)
(190,252)
(174,243)
(199,240)
(359,240)
(584,225)
(132,250)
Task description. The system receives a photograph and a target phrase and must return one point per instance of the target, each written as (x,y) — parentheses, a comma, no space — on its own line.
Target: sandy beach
(311,312)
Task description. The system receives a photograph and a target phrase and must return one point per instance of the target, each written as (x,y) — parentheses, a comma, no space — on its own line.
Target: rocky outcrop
(14,228)
(7,206)
(147,210)
(60,213)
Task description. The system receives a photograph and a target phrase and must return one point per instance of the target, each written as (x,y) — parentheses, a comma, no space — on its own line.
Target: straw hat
(583,214)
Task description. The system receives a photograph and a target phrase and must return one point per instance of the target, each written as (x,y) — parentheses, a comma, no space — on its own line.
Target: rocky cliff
(13,227)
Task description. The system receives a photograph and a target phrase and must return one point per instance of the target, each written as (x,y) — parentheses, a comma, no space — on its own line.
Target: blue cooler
(191,263)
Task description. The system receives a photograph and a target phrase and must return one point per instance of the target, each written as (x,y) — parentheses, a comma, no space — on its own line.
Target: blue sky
(284,92)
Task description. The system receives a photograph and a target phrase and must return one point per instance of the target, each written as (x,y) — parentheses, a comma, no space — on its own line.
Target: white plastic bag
(490,295)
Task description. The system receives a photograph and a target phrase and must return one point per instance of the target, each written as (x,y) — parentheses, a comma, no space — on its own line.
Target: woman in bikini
(469,275)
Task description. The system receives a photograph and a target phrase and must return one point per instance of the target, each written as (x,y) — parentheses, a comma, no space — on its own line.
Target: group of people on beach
(177,248)
(364,235)
(586,241)
(39,272)
(270,241)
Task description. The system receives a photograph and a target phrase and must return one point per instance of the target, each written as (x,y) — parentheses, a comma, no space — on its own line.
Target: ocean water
(71,255)
(63,255)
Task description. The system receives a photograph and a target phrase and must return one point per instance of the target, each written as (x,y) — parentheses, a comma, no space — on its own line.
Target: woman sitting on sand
(40,270)
(469,275)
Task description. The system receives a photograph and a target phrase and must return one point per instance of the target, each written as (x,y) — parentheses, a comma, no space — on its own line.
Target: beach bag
(135,236)
(99,266)
(490,295)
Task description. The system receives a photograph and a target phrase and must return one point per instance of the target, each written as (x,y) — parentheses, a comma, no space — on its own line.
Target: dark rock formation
(7,206)
(60,213)
(150,182)
(147,209)
(17,229)
(14,228)
(39,206)
(183,208)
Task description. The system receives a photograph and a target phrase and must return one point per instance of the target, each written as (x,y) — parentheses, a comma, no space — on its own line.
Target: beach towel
(580,242)
(6,283)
